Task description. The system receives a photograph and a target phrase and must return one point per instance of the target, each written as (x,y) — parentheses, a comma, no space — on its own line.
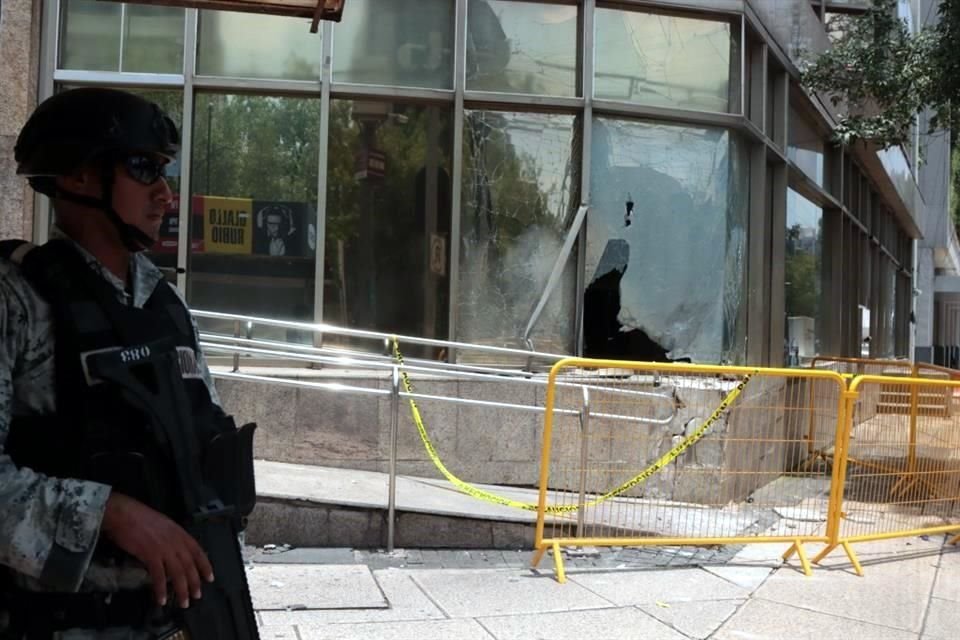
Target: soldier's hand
(169,553)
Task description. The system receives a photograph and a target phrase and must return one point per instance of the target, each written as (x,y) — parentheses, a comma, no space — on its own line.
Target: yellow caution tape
(487,496)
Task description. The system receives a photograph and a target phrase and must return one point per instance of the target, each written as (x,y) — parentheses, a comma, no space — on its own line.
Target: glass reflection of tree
(802,273)
(261,147)
(380,223)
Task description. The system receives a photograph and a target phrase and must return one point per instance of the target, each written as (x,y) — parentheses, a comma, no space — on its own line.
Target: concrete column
(19,55)
(924,281)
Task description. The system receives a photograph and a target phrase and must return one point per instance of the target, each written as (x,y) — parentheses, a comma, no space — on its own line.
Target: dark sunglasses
(145,169)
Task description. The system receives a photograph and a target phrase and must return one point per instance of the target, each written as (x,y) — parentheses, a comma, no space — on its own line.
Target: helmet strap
(133,238)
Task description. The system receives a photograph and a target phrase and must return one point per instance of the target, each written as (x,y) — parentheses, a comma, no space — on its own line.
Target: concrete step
(313,506)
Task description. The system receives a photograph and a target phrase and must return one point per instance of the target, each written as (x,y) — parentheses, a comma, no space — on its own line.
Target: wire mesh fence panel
(686,454)
(902,467)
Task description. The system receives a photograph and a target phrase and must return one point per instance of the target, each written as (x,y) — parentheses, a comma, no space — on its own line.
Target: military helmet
(79,126)
(93,126)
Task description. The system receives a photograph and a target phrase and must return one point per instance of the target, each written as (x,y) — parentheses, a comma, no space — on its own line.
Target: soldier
(122,483)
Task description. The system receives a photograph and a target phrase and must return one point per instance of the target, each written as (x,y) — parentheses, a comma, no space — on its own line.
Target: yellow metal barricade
(726,468)
(899,472)
(820,445)
(820,437)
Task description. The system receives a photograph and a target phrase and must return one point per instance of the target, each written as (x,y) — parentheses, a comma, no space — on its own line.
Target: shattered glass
(666,243)
(521,184)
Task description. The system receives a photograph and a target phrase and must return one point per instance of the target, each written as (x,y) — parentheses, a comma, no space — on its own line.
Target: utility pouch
(228,467)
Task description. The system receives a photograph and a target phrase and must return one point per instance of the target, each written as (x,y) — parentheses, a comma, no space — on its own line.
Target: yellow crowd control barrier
(820,445)
(899,468)
(728,468)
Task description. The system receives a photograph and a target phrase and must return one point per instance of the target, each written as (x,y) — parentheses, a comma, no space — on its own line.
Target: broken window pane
(522,47)
(666,243)
(802,275)
(663,60)
(520,193)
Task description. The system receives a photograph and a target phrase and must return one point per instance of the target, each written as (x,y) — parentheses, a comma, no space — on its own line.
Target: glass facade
(520,192)
(248,45)
(396,42)
(388,217)
(521,47)
(662,60)
(425,180)
(803,267)
(666,242)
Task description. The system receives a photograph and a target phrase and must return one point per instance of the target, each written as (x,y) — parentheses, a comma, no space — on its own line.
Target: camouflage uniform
(56,521)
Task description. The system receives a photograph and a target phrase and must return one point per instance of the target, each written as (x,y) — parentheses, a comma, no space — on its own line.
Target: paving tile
(626,623)
(625,588)
(765,620)
(695,619)
(407,602)
(943,619)
(747,577)
(399,630)
(892,593)
(947,586)
(313,586)
(463,593)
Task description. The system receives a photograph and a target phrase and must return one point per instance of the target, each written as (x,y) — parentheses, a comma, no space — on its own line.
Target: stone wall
(19,55)
(498,445)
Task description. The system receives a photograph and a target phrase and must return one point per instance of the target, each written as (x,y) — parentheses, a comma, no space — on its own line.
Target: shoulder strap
(15,250)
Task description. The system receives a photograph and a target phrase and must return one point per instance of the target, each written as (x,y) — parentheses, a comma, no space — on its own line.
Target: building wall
(19,62)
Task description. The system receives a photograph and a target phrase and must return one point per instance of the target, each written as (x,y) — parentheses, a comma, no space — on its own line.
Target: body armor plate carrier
(133,412)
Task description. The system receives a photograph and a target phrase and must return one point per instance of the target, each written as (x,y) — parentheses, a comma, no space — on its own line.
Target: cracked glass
(666,243)
(520,193)
(522,47)
(663,61)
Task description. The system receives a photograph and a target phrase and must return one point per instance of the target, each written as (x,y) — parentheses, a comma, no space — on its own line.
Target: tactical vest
(133,411)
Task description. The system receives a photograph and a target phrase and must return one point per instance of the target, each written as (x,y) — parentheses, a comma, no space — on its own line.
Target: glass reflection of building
(432,172)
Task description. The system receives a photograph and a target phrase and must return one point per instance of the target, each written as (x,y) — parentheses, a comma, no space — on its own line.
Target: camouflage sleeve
(48,526)
(201,359)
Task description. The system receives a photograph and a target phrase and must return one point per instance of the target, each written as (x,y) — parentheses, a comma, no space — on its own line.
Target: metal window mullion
(744,43)
(123,34)
(526,100)
(186,153)
(459,80)
(258,85)
(587,57)
(352,90)
(326,75)
(100,78)
(49,55)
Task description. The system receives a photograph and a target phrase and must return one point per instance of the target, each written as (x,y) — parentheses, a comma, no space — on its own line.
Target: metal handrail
(232,346)
(243,343)
(327,329)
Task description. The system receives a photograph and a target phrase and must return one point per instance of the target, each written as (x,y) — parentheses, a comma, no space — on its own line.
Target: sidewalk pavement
(911,590)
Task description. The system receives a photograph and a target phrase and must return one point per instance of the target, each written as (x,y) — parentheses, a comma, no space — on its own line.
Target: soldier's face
(141,197)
